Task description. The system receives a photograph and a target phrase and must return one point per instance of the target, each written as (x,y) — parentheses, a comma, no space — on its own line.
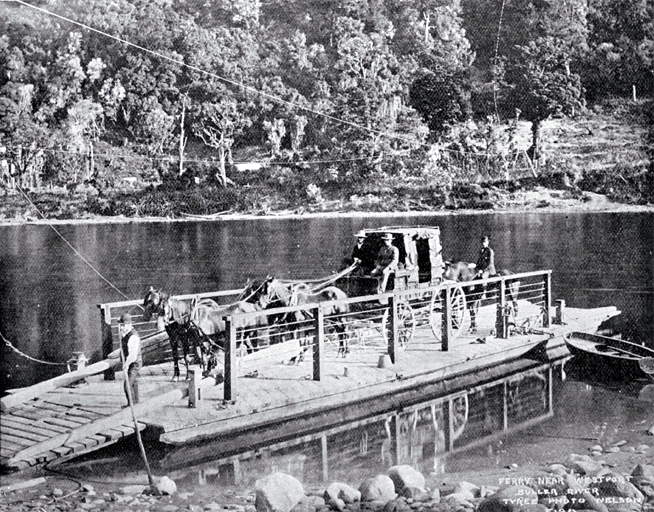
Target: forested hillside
(160,99)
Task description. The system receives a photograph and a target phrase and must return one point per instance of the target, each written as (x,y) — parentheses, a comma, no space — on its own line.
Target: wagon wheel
(406,323)
(457,311)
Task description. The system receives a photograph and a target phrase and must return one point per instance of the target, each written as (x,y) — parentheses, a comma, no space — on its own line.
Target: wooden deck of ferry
(265,396)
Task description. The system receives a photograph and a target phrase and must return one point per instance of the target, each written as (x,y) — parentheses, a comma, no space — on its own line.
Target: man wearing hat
(358,255)
(486,260)
(387,260)
(131,355)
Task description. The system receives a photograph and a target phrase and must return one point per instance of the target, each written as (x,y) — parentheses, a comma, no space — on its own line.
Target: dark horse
(464,271)
(273,293)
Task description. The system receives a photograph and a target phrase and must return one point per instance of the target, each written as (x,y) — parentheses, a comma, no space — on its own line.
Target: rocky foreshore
(583,482)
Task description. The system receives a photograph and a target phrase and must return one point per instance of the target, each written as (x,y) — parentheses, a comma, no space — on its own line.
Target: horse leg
(174,345)
(343,339)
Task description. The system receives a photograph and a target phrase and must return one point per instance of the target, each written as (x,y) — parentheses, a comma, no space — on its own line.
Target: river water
(49,294)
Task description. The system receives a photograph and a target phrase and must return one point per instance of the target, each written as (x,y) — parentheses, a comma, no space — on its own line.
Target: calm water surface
(49,295)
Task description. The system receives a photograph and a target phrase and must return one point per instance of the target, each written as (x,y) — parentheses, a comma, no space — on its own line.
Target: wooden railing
(535,288)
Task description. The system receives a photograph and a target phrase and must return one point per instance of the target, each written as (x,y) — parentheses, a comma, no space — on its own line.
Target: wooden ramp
(69,421)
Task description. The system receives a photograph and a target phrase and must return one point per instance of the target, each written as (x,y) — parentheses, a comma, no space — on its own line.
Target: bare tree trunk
(91,170)
(182,139)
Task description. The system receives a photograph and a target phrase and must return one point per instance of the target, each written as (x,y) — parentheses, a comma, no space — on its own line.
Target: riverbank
(540,200)
(619,477)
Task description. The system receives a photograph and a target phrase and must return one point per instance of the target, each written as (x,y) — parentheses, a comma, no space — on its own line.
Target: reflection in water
(422,435)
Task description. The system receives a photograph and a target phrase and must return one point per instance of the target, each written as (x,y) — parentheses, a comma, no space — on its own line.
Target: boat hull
(607,358)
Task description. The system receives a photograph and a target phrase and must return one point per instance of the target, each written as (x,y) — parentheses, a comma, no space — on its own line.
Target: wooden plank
(62,451)
(7,422)
(99,426)
(50,408)
(24,395)
(89,415)
(17,432)
(13,441)
(7,452)
(63,423)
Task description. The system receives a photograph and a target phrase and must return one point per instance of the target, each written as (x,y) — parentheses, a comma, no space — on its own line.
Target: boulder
(415,493)
(338,490)
(461,500)
(617,486)
(278,492)
(557,469)
(643,478)
(512,499)
(310,504)
(405,476)
(584,465)
(133,489)
(396,505)
(166,486)
(467,489)
(377,488)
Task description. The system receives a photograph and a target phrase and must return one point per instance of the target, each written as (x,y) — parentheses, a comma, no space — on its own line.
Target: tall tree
(541,85)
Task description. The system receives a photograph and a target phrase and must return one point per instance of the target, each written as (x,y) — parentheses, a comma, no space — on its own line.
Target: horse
(212,321)
(199,324)
(273,293)
(463,271)
(175,317)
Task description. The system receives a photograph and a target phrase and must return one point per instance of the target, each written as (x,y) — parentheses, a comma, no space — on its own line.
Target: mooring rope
(20,353)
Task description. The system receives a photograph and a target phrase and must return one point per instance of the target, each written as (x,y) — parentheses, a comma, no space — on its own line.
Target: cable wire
(221,78)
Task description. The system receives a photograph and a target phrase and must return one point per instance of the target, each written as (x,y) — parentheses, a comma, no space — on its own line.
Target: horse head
(154,304)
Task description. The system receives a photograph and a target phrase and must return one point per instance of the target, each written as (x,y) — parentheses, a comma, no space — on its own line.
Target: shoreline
(599,204)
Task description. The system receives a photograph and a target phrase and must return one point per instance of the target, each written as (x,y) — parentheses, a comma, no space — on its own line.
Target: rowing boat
(611,358)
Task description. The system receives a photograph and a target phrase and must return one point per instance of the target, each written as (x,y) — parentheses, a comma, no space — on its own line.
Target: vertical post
(194,387)
(230,361)
(107,338)
(547,321)
(392,332)
(447,319)
(501,319)
(560,312)
(325,457)
(318,344)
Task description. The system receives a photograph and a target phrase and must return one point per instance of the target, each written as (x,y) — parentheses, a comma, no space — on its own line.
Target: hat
(361,234)
(484,238)
(387,236)
(125,318)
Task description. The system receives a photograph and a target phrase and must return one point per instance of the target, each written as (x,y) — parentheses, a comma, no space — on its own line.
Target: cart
(416,283)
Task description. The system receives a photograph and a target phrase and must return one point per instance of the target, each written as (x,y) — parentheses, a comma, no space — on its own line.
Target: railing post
(230,361)
(392,333)
(107,338)
(547,321)
(318,344)
(194,391)
(447,319)
(501,319)
(560,312)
